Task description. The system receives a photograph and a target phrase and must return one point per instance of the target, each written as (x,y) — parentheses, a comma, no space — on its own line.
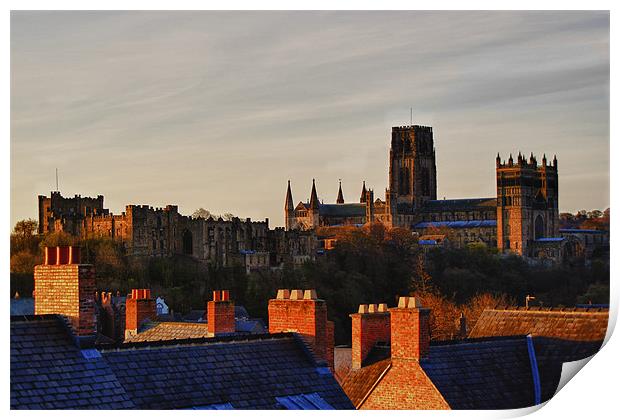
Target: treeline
(369,265)
(594,219)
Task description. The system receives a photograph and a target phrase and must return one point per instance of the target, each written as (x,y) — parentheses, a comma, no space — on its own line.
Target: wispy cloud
(219,109)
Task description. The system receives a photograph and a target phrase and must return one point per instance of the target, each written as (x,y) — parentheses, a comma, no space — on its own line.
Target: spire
(363,197)
(340,199)
(288,202)
(314,199)
(510,160)
(555,162)
(544,161)
(498,160)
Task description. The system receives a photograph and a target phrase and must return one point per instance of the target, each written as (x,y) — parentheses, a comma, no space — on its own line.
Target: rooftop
(245,372)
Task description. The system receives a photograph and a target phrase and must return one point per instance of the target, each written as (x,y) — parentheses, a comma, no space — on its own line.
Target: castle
(523,218)
(144,231)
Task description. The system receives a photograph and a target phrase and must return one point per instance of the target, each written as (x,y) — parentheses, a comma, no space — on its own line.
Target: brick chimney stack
(302,312)
(65,287)
(370,325)
(220,313)
(139,307)
(410,330)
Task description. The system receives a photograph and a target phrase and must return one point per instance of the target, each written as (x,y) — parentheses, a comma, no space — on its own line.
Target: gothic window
(539,227)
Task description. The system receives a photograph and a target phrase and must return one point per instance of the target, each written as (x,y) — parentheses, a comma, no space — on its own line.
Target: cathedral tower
(413,174)
(527,203)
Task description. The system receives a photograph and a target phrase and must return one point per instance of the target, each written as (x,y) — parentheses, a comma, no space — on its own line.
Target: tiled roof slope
(358,383)
(489,374)
(559,336)
(49,372)
(248,372)
(163,331)
(470,374)
(568,324)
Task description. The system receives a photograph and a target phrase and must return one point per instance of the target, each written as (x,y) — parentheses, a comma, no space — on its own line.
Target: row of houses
(74,352)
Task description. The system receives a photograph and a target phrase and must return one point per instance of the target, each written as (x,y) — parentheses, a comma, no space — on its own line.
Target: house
(394,365)
(59,360)
(559,335)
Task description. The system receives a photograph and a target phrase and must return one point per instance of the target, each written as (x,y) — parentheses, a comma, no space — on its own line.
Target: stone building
(161,232)
(522,218)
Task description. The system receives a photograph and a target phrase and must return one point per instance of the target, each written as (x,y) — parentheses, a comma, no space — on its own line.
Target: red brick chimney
(139,306)
(304,313)
(65,287)
(220,313)
(410,330)
(371,324)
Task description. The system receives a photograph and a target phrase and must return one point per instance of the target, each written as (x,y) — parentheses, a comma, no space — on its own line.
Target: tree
(228,216)
(202,213)
(24,236)
(474,308)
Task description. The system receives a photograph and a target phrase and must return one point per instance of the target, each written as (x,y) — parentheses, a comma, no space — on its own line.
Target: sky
(219,109)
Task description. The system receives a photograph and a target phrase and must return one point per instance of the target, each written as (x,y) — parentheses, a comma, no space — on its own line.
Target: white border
(591,395)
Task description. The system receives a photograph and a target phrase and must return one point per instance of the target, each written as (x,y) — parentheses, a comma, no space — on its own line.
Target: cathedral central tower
(413,173)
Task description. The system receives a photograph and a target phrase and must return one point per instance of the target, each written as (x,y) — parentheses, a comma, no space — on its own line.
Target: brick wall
(305,314)
(220,313)
(366,330)
(410,330)
(139,306)
(69,290)
(405,386)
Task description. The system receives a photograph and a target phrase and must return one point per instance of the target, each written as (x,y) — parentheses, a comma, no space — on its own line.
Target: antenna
(56,179)
(411,116)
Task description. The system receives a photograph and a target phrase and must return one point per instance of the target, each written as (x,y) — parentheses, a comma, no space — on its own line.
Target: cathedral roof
(343,210)
(462,204)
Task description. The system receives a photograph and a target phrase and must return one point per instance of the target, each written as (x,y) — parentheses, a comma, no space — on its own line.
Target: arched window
(539,227)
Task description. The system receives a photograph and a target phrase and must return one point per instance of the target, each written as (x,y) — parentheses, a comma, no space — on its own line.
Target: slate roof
(22,306)
(489,374)
(49,372)
(343,210)
(462,204)
(247,372)
(559,335)
(470,374)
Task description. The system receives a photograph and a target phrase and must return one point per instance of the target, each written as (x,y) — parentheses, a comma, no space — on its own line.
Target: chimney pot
(383,307)
(402,301)
(310,294)
(372,308)
(283,294)
(225,295)
(414,303)
(217,295)
(297,294)
(363,309)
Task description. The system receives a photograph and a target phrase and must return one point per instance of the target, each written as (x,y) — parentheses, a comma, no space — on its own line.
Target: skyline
(130,110)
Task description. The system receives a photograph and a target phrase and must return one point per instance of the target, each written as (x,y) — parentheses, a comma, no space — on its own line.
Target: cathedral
(523,218)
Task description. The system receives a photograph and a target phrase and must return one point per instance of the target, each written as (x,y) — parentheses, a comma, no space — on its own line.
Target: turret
(288,202)
(510,160)
(289,209)
(340,199)
(363,196)
(314,199)
(498,161)
(555,162)
(544,161)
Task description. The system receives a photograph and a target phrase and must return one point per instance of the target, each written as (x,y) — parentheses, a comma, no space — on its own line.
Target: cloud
(219,109)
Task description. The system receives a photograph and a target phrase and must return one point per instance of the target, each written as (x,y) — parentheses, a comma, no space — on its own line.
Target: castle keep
(523,218)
